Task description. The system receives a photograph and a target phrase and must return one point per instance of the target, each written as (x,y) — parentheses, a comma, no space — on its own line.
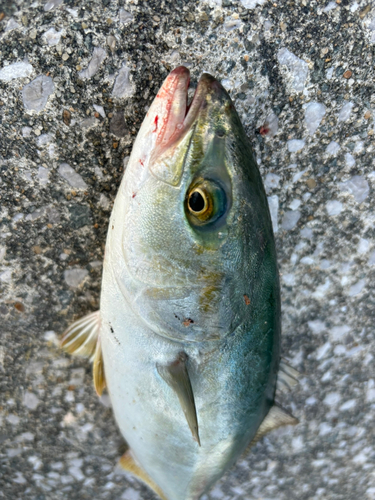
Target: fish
(187,337)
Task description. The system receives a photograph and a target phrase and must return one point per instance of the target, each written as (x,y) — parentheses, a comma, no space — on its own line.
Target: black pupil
(196,202)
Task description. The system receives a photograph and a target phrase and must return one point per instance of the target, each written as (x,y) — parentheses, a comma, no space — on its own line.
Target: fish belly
(149,414)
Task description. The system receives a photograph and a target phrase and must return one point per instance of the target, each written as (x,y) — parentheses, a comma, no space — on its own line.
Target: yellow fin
(127,463)
(98,369)
(275,418)
(81,337)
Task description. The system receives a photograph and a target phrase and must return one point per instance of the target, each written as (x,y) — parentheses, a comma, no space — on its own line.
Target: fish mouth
(179,116)
(173,120)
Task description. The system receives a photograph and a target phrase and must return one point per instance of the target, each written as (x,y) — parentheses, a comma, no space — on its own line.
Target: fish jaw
(173,99)
(162,125)
(169,124)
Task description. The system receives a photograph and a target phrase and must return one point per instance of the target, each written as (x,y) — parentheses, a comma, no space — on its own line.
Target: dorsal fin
(98,369)
(177,377)
(127,463)
(80,338)
(274,419)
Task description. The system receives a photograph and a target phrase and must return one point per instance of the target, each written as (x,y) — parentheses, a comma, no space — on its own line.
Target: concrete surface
(301,74)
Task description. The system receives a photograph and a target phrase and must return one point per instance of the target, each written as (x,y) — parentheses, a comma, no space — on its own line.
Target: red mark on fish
(156,123)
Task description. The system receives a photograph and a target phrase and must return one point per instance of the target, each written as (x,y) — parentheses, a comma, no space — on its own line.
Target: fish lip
(207,85)
(173,94)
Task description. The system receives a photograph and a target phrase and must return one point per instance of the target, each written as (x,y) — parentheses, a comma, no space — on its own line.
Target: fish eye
(205,202)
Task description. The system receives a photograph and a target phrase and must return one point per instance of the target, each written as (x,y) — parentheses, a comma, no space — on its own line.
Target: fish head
(196,229)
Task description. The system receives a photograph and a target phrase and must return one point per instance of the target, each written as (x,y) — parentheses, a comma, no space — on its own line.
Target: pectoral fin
(177,377)
(81,337)
(275,418)
(127,463)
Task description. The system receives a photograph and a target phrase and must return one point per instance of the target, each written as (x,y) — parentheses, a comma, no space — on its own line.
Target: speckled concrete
(76,77)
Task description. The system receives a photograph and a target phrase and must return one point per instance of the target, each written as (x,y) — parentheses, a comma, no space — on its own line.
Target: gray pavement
(76,78)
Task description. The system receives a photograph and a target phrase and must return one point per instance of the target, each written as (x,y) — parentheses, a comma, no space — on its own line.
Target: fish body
(189,321)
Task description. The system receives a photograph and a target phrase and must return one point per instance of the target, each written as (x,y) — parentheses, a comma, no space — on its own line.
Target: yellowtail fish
(187,338)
